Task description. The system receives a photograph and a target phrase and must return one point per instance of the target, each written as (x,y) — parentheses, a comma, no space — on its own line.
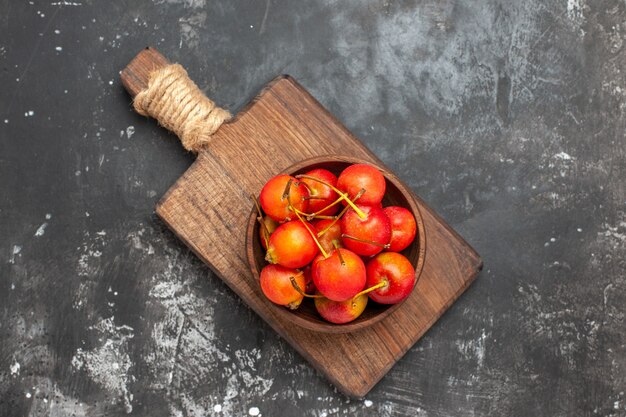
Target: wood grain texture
(209,205)
(135,76)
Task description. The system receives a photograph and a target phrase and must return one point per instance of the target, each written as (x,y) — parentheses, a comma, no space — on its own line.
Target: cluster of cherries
(318,229)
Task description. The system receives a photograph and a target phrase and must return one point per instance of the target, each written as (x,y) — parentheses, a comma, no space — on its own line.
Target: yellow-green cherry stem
(306,226)
(335,189)
(381,284)
(337,217)
(334,203)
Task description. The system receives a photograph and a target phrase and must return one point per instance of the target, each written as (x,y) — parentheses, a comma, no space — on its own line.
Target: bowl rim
(323,326)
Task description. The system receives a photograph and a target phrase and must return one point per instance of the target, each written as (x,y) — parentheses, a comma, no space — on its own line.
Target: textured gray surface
(507,117)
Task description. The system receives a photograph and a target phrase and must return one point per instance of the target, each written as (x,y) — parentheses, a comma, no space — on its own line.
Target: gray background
(508,117)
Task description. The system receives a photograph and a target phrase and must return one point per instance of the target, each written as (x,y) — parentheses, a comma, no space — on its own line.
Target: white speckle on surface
(66,3)
(254,411)
(111,82)
(574,9)
(188,330)
(6,120)
(217,408)
(48,216)
(368,403)
(64,91)
(12,286)
(130,131)
(77,173)
(86,214)
(15,368)
(28,395)
(108,365)
(474,348)
(57,31)
(16,250)
(58,48)
(563,156)
(616,405)
(29,113)
(251,26)
(579,230)
(138,244)
(101,233)
(41,230)
(552,239)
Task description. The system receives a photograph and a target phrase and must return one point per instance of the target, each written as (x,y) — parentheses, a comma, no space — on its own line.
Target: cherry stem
(295,210)
(335,189)
(287,190)
(310,216)
(337,217)
(334,203)
(319,216)
(336,245)
(306,226)
(381,284)
(266,232)
(301,292)
(327,228)
(369,242)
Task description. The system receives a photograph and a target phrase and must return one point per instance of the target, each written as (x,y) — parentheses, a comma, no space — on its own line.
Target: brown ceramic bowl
(306,316)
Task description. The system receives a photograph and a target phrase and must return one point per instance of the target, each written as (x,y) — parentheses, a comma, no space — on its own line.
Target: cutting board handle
(165,92)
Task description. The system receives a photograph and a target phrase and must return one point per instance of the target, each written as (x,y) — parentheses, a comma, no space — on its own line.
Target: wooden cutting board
(208,208)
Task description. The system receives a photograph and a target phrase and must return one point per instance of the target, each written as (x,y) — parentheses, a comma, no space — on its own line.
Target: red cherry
(320,194)
(367,236)
(340,276)
(396,274)
(403,227)
(277,287)
(341,312)
(362,176)
(275,197)
(292,245)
